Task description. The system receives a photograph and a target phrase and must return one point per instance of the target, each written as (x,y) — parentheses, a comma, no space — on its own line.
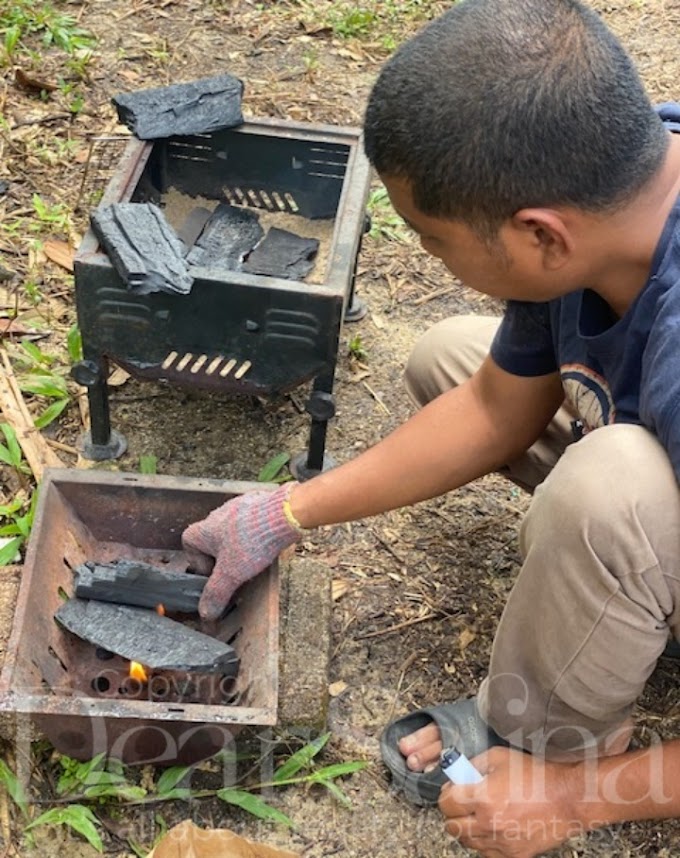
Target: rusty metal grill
(84,704)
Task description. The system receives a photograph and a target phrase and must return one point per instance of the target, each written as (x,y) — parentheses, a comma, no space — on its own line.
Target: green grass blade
(170,778)
(75,816)
(254,805)
(9,552)
(148,464)
(11,783)
(336,792)
(52,386)
(13,447)
(271,470)
(337,770)
(50,413)
(300,759)
(74,344)
(125,792)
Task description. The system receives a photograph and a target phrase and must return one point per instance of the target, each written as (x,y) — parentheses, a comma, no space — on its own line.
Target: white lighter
(457,768)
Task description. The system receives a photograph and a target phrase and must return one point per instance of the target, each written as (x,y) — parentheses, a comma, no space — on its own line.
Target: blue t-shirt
(613,370)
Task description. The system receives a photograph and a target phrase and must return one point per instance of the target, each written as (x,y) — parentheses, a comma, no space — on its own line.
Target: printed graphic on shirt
(589,395)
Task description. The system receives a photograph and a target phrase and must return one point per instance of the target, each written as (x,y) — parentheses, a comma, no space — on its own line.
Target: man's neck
(626,244)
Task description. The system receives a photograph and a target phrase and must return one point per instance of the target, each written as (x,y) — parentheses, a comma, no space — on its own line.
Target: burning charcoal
(183,108)
(283,254)
(143,247)
(128,582)
(229,235)
(142,635)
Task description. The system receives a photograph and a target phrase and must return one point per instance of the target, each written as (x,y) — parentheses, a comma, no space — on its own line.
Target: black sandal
(460,725)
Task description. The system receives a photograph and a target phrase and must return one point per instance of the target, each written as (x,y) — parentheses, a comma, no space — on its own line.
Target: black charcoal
(197,107)
(128,582)
(229,235)
(143,248)
(283,254)
(141,635)
(193,226)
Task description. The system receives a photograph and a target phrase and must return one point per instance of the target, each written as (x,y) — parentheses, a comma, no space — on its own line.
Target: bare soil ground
(422,588)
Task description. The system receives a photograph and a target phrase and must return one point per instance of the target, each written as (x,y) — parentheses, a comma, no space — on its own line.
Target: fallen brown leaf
(13,328)
(33,84)
(118,377)
(60,253)
(465,638)
(338,589)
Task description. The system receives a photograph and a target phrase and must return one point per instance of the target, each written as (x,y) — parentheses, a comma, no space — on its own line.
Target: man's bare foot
(423,747)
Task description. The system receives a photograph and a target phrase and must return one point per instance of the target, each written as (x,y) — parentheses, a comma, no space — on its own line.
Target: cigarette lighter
(457,768)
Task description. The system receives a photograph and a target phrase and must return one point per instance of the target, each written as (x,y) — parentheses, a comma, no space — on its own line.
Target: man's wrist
(296,509)
(288,513)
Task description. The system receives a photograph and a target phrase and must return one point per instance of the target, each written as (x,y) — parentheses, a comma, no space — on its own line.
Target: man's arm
(525,806)
(469,431)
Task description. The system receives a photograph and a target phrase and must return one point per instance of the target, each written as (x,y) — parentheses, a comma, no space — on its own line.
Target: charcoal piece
(197,107)
(144,636)
(128,582)
(4,186)
(283,254)
(193,226)
(143,248)
(229,236)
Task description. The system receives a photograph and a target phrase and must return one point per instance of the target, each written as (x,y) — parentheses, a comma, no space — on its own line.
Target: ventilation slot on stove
(198,365)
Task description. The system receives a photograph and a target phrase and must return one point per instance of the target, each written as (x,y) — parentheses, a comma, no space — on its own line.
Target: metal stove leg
(321,407)
(101,442)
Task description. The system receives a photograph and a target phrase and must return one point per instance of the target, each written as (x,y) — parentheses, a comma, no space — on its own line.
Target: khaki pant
(599,587)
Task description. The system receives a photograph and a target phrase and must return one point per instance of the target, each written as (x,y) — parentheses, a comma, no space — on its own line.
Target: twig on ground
(438,293)
(377,398)
(404,668)
(58,445)
(35,448)
(399,626)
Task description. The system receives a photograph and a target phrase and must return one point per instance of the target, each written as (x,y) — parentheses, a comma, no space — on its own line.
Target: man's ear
(546,231)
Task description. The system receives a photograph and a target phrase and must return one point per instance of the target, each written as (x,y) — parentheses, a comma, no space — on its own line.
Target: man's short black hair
(499,105)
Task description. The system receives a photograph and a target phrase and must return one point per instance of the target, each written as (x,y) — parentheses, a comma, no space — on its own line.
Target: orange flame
(137,671)
(160,610)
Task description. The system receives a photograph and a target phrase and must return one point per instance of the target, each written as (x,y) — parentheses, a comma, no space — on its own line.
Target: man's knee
(447,355)
(617,483)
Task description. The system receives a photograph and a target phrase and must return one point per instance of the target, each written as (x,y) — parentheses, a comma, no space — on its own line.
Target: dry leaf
(335,689)
(118,377)
(338,589)
(32,84)
(359,376)
(465,638)
(60,253)
(186,839)
(13,328)
(378,321)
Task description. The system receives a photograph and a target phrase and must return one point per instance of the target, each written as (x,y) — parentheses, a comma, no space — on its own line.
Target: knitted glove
(244,536)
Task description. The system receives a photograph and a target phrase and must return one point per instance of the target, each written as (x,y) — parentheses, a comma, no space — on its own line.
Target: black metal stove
(234,332)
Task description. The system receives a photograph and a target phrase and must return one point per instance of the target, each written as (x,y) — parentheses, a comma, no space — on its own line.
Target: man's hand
(243,536)
(521,809)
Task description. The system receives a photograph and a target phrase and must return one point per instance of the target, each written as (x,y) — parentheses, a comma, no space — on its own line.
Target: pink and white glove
(244,536)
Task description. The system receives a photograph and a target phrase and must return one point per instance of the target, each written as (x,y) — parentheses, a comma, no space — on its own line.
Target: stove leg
(101,442)
(321,407)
